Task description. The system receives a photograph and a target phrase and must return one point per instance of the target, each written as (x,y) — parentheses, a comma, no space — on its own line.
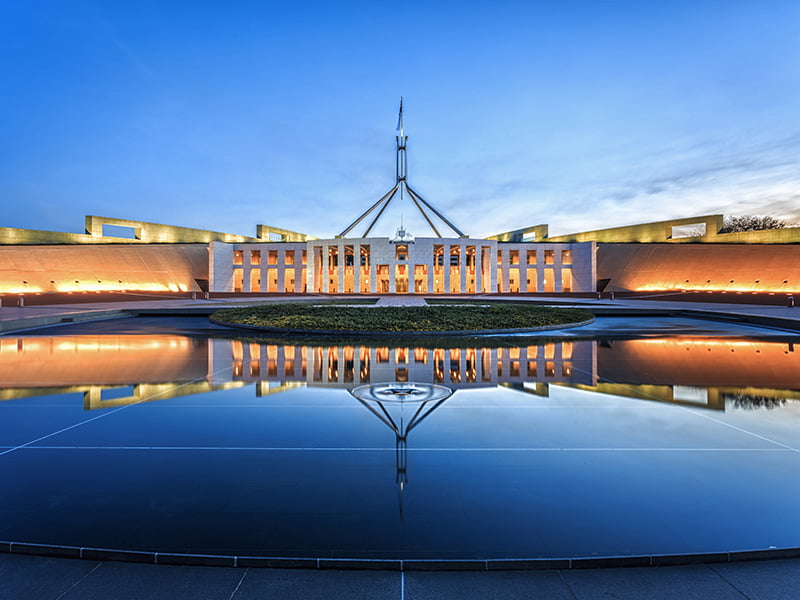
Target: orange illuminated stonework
(163,258)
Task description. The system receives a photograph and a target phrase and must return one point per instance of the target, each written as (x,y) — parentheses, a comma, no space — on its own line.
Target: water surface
(157,434)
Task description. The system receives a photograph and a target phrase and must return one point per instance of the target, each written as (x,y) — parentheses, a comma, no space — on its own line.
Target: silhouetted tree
(752,402)
(751,223)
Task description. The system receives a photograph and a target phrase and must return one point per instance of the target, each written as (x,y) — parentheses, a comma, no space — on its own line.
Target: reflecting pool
(171,436)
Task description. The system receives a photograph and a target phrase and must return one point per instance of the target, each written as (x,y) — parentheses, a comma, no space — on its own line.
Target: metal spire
(401,185)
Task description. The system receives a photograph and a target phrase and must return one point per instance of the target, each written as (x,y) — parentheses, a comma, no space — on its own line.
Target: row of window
(272,257)
(549,257)
(401,254)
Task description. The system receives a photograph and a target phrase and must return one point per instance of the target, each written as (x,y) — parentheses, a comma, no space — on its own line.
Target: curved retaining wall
(345,332)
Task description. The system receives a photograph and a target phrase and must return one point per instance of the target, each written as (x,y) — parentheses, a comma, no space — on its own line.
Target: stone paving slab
(767,580)
(653,583)
(509,585)
(40,577)
(319,585)
(25,577)
(127,581)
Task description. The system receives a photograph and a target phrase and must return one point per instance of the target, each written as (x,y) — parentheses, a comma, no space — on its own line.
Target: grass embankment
(400,318)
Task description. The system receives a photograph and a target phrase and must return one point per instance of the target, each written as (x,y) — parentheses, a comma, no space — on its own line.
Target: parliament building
(688,254)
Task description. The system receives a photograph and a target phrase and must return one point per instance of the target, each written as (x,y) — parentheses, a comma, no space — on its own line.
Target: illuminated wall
(142,232)
(734,268)
(68,268)
(100,359)
(701,362)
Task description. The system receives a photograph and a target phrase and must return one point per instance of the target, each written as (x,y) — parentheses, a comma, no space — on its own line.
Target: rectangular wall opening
(119,231)
(255,280)
(688,231)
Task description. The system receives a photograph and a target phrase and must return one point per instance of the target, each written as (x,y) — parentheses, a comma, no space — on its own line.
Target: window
(365,256)
(255,257)
(438,255)
(455,255)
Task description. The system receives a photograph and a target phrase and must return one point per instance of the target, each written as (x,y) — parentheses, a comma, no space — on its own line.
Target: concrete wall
(658,231)
(661,231)
(161,234)
(734,267)
(220,267)
(143,232)
(54,268)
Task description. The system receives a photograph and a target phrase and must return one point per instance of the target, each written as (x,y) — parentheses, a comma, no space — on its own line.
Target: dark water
(157,436)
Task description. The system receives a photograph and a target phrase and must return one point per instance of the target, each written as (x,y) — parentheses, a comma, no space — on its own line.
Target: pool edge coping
(491,564)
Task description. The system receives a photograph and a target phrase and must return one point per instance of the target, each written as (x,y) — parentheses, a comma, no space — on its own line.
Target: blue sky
(222,115)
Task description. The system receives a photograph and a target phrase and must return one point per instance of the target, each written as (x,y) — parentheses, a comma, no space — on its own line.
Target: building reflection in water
(112,370)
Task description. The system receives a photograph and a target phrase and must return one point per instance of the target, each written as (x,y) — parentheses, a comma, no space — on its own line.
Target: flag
(400,116)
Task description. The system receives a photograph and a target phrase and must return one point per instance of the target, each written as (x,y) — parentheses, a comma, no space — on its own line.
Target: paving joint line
(238,585)
(728,581)
(81,580)
(740,429)
(105,414)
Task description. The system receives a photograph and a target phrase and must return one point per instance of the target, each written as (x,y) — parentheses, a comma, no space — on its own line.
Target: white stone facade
(380,266)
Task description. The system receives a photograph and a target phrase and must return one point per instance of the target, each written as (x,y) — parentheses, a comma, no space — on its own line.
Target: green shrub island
(400,318)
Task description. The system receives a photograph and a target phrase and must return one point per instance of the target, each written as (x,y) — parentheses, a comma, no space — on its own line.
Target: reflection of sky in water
(679,444)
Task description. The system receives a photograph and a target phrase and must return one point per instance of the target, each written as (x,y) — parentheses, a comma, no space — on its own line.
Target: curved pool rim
(491,564)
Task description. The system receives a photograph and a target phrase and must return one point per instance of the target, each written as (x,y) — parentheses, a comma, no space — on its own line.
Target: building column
(523,270)
(326,270)
(311,268)
(462,267)
(356,269)
(504,268)
(557,272)
(340,268)
(281,271)
(540,270)
(491,268)
(446,270)
(478,268)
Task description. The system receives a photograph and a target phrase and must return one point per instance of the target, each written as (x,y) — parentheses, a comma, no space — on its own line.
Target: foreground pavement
(44,578)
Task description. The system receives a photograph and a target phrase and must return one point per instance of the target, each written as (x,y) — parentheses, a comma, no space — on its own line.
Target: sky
(222,115)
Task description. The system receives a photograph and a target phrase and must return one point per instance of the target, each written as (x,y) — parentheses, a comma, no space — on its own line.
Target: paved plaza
(46,578)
